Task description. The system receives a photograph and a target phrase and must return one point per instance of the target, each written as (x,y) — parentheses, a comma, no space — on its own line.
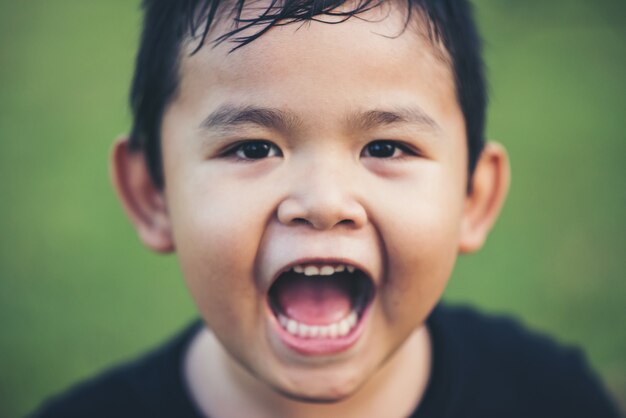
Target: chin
(324,388)
(318,395)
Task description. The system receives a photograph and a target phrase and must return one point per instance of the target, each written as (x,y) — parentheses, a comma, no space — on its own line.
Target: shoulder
(498,338)
(102,396)
(498,365)
(151,385)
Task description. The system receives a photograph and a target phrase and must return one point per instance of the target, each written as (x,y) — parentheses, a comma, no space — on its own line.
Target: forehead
(366,60)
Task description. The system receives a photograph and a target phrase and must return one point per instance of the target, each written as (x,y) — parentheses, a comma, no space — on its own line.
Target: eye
(254,150)
(386,149)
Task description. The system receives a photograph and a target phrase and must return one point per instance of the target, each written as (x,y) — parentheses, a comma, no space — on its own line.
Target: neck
(221,387)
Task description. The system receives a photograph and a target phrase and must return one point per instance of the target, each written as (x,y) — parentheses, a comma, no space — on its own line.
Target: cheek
(419,267)
(217,235)
(421,242)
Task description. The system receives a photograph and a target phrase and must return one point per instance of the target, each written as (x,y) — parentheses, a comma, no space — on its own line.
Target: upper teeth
(323,270)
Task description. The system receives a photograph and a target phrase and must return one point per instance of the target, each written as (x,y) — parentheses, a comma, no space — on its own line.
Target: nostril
(321,211)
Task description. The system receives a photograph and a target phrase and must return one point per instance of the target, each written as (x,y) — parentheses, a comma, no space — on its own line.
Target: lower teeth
(337,329)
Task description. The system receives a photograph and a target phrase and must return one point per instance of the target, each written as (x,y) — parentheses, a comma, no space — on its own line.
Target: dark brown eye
(381,149)
(256,150)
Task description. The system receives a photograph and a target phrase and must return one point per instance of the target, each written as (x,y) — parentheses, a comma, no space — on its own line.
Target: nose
(323,198)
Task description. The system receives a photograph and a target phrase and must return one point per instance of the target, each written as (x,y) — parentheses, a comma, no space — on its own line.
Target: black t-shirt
(483,367)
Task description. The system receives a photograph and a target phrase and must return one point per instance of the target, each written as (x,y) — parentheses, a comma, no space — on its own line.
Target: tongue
(314,300)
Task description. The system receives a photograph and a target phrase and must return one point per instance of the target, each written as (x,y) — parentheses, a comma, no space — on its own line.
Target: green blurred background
(79,293)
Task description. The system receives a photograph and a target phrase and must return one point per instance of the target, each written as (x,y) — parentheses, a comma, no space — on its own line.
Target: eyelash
(237,150)
(397,146)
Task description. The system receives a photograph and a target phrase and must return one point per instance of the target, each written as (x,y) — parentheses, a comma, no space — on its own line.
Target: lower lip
(321,346)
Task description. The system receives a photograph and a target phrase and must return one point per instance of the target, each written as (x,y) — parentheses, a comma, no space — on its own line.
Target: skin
(319,193)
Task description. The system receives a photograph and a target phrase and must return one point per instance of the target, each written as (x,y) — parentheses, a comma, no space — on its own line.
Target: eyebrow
(409,115)
(228,116)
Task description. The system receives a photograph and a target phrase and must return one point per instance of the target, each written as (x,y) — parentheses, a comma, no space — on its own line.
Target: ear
(490,184)
(143,202)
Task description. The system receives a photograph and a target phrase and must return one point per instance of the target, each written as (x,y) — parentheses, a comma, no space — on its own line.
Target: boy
(317,167)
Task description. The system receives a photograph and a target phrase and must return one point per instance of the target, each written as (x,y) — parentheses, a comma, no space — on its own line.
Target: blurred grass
(78,293)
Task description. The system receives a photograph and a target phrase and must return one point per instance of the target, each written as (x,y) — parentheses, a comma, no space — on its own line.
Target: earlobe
(490,185)
(143,202)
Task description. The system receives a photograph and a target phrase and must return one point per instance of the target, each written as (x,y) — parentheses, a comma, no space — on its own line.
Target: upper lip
(320,261)
(281,251)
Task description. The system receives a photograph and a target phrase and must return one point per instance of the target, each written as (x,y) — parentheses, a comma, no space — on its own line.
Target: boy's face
(318,191)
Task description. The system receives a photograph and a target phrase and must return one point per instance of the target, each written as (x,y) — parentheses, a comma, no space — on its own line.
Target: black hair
(168,23)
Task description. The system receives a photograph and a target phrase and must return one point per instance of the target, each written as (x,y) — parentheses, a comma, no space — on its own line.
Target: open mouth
(321,302)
